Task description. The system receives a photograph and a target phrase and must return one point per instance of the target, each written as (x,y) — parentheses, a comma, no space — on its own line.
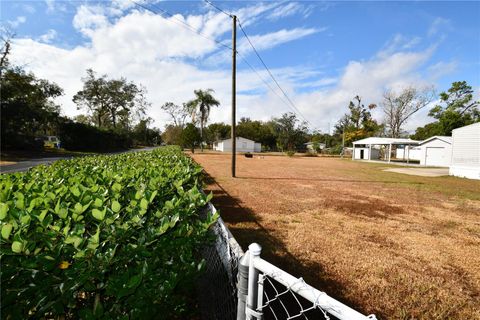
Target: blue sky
(322,53)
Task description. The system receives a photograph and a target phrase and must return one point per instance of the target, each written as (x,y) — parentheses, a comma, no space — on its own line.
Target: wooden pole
(234,102)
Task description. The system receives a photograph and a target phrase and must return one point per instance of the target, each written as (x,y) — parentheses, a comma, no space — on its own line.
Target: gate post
(254,251)
(242,286)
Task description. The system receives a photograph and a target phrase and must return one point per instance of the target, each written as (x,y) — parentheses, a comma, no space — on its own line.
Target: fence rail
(276,294)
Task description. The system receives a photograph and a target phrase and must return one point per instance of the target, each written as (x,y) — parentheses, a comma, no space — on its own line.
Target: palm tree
(201,106)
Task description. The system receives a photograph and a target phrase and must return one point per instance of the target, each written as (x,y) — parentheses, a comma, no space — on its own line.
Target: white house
(309,146)
(242,145)
(466,152)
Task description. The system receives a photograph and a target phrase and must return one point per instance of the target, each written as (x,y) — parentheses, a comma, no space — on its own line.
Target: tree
(358,122)
(6,38)
(217,131)
(177,113)
(190,137)
(291,133)
(27,108)
(111,102)
(145,136)
(258,131)
(93,97)
(200,108)
(399,107)
(172,135)
(459,108)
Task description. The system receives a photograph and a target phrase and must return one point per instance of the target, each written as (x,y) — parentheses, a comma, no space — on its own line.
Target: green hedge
(105,237)
(83,137)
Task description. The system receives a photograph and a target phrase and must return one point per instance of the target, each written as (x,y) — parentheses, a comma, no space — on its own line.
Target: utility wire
(218,8)
(271,75)
(186,25)
(180,21)
(292,105)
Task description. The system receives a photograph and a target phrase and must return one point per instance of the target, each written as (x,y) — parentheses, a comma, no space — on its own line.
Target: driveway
(424,172)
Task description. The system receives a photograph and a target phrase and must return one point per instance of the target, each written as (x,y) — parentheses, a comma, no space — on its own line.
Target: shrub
(84,137)
(111,237)
(290,153)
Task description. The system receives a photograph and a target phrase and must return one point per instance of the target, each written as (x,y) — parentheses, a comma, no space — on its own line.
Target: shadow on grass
(246,227)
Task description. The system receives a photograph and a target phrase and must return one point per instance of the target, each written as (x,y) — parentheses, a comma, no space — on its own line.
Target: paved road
(25,165)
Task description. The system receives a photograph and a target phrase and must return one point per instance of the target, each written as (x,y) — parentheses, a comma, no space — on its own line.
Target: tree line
(115,116)
(115,111)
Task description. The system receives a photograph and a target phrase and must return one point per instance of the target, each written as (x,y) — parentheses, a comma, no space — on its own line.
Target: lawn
(399,246)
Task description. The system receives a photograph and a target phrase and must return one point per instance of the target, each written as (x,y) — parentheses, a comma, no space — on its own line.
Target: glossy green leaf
(6,230)
(17,246)
(116,206)
(97,214)
(3,210)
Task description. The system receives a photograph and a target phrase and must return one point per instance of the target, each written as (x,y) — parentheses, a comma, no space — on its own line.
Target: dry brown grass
(402,247)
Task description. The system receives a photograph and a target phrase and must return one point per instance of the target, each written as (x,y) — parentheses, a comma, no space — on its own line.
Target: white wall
(375,153)
(243,145)
(466,152)
(413,154)
(442,153)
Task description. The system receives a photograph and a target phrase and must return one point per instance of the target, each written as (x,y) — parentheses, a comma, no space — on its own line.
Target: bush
(110,237)
(84,137)
(290,153)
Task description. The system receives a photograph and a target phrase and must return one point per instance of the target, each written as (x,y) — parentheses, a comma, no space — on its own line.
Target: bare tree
(178,113)
(6,39)
(399,107)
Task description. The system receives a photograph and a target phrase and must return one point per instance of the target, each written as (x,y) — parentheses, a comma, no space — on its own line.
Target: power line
(292,105)
(270,73)
(180,22)
(218,8)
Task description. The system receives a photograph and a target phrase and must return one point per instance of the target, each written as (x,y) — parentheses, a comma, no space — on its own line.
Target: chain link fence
(244,286)
(217,288)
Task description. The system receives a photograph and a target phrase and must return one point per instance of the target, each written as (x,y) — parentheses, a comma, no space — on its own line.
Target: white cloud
(89,18)
(18,21)
(438,25)
(264,42)
(273,39)
(290,9)
(55,5)
(48,37)
(28,8)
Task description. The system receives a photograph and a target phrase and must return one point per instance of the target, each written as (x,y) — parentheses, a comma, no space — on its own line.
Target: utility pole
(234,99)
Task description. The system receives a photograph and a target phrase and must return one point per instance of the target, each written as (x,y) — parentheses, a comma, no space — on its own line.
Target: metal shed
(466,152)
(377,148)
(436,151)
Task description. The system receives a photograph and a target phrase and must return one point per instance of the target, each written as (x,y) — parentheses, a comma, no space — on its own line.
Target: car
(51,142)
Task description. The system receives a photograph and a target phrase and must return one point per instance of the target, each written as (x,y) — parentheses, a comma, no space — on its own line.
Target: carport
(371,148)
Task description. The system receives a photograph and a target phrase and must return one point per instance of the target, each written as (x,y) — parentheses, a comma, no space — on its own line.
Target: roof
(379,140)
(443,138)
(307,143)
(238,138)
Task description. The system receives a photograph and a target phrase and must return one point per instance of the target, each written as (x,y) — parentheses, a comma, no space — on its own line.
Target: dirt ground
(399,246)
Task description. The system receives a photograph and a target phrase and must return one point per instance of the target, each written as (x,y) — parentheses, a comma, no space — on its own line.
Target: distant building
(242,145)
(377,148)
(309,146)
(436,151)
(466,152)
